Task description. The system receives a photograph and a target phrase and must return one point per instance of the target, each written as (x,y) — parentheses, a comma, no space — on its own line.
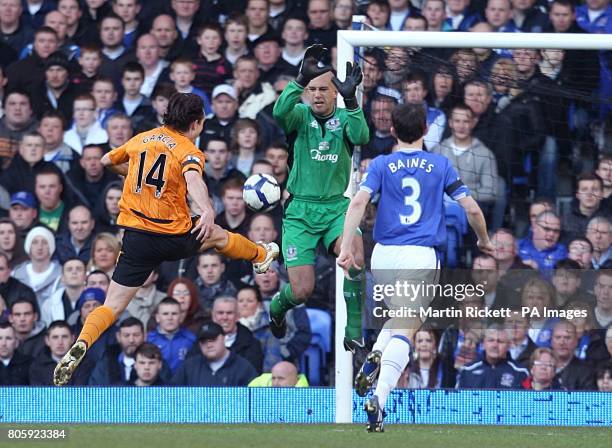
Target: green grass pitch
(316,436)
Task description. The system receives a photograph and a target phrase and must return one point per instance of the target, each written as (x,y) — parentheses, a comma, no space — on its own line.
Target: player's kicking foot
(272,252)
(376,415)
(68,364)
(357,348)
(368,373)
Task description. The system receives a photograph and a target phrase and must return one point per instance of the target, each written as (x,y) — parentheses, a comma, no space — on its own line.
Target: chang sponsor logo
(315,154)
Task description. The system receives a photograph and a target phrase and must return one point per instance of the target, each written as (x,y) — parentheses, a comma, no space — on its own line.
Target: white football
(261,192)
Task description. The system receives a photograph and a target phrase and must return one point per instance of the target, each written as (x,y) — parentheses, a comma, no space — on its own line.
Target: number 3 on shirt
(412,201)
(155,176)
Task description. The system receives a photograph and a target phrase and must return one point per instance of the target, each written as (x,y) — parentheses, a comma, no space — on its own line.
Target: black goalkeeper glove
(348,87)
(309,68)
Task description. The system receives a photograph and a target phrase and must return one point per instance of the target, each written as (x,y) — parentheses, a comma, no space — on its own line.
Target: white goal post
(347,41)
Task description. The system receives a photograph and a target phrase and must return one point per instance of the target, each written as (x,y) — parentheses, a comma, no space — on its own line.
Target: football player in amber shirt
(161,167)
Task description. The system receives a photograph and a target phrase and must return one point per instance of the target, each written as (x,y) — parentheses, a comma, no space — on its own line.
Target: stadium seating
(314,359)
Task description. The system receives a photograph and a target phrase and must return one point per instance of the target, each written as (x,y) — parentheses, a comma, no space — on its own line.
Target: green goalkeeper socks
(353,296)
(282,302)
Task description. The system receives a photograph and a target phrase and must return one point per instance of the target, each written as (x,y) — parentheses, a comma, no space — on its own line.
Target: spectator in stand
(238,338)
(58,339)
(52,198)
(567,281)
(294,36)
(542,250)
(343,13)
(218,168)
(254,317)
(382,141)
(119,130)
(399,10)
(378,12)
(235,36)
(224,116)
(234,217)
(572,373)
(55,92)
(12,289)
(484,272)
(444,88)
(499,15)
(23,316)
(14,366)
(521,345)
(19,176)
(11,243)
(278,155)
(474,162)
(104,92)
(117,365)
(105,250)
(210,282)
(253,95)
(29,73)
(128,11)
(144,303)
(465,63)
(245,139)
(98,279)
(589,192)
(528,17)
(90,61)
(213,364)
(132,103)
(76,30)
(604,171)
(494,370)
(415,92)
(56,151)
(478,97)
(426,370)
(257,12)
(486,57)
(458,16)
(41,273)
(537,297)
(434,12)
(91,179)
(182,74)
(76,242)
(282,374)
(114,53)
(159,101)
(18,120)
(107,209)
(186,21)
(86,130)
(586,329)
(185,292)
(23,213)
(211,67)
(603,374)
(580,250)
(267,51)
(12,32)
(63,302)
(599,233)
(148,366)
(173,340)
(542,365)
(165,31)
(603,296)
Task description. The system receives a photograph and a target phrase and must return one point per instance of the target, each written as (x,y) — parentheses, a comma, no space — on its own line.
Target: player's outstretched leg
(237,247)
(98,321)
(281,302)
(354,288)
(368,374)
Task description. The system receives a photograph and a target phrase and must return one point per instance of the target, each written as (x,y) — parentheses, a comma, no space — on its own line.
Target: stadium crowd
(78,78)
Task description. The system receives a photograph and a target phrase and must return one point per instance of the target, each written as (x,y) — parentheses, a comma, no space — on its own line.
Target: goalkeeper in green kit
(321,139)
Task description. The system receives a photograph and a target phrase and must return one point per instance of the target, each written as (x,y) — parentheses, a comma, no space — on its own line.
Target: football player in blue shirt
(409,226)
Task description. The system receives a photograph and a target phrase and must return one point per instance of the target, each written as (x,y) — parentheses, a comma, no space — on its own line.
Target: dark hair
(216,139)
(133,67)
(462,106)
(164,89)
(58,324)
(148,350)
(409,121)
(98,271)
(167,301)
(602,369)
(589,177)
(54,114)
(112,15)
(238,18)
(210,253)
(567,265)
(50,169)
(582,240)
(183,110)
(45,30)
(566,3)
(251,288)
(5,325)
(416,76)
(417,16)
(73,259)
(262,162)
(233,183)
(23,300)
(213,26)
(92,146)
(131,322)
(277,145)
(18,91)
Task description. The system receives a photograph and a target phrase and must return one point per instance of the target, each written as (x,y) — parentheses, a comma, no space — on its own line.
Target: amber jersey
(154,197)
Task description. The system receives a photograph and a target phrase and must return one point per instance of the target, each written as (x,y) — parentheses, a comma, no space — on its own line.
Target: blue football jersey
(412,184)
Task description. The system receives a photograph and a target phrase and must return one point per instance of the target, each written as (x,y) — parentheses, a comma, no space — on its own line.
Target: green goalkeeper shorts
(306,223)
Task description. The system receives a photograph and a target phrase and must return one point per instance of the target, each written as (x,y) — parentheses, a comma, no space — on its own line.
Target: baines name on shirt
(413,162)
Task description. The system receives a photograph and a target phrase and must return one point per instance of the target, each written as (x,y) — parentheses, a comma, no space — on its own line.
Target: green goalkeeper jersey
(321,148)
